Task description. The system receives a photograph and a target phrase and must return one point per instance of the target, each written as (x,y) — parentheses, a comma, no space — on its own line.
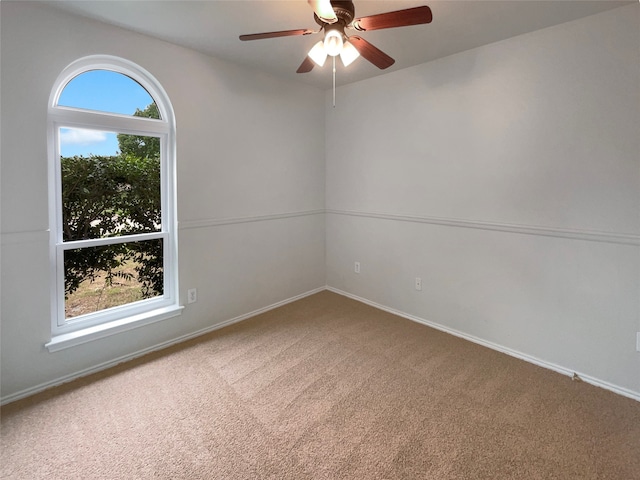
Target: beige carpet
(323,388)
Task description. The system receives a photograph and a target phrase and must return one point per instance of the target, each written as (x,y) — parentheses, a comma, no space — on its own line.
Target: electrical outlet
(418,283)
(192,295)
(356,267)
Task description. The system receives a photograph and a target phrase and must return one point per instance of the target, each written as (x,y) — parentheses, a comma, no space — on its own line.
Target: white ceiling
(213,27)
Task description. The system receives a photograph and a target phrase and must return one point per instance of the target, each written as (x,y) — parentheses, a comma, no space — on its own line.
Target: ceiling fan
(334,16)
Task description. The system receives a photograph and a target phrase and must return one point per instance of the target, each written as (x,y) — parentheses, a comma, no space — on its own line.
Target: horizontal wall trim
(39,235)
(125,358)
(31,236)
(592,236)
(494,346)
(215,222)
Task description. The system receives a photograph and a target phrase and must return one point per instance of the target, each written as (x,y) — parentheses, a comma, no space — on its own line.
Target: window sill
(67,340)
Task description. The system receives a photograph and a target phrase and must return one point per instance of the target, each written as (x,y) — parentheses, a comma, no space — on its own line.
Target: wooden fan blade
(282,33)
(371,53)
(399,18)
(323,10)
(306,65)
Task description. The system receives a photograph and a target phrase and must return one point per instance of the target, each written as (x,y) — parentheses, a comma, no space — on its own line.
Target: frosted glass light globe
(333,43)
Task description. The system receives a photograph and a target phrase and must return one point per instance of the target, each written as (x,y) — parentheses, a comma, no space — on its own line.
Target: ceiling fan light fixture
(348,54)
(323,10)
(318,53)
(333,42)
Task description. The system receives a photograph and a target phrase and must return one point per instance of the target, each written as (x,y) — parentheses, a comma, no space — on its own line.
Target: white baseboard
(125,358)
(494,346)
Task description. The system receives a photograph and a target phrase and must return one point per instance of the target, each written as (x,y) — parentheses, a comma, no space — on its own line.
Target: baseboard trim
(125,358)
(494,346)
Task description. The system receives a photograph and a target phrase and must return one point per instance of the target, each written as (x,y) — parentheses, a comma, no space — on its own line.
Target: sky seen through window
(105,91)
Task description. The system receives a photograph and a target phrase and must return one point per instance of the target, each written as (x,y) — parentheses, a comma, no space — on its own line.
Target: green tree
(106,196)
(140,146)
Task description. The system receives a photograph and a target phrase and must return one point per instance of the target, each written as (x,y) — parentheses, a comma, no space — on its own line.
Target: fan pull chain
(334,82)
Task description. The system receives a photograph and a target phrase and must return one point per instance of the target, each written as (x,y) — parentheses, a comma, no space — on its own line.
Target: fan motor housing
(344,10)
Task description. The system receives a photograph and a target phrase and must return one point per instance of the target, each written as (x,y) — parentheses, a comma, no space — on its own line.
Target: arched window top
(108,91)
(111,85)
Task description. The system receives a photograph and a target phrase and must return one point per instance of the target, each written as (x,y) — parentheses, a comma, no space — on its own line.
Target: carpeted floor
(324,388)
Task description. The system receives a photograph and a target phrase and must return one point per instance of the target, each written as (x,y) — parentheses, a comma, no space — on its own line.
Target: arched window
(112,201)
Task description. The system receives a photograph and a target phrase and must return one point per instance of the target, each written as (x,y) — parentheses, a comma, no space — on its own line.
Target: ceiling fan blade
(282,33)
(323,10)
(305,66)
(399,18)
(371,53)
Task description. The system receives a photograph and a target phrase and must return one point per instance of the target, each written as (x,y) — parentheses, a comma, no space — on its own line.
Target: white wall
(249,148)
(508,178)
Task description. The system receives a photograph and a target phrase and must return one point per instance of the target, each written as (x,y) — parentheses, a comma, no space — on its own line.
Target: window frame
(77,330)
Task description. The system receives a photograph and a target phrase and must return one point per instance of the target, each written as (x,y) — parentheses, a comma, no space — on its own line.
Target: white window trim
(71,332)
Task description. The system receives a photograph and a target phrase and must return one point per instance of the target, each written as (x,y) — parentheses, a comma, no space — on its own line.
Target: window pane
(82,141)
(107,91)
(108,193)
(97,278)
